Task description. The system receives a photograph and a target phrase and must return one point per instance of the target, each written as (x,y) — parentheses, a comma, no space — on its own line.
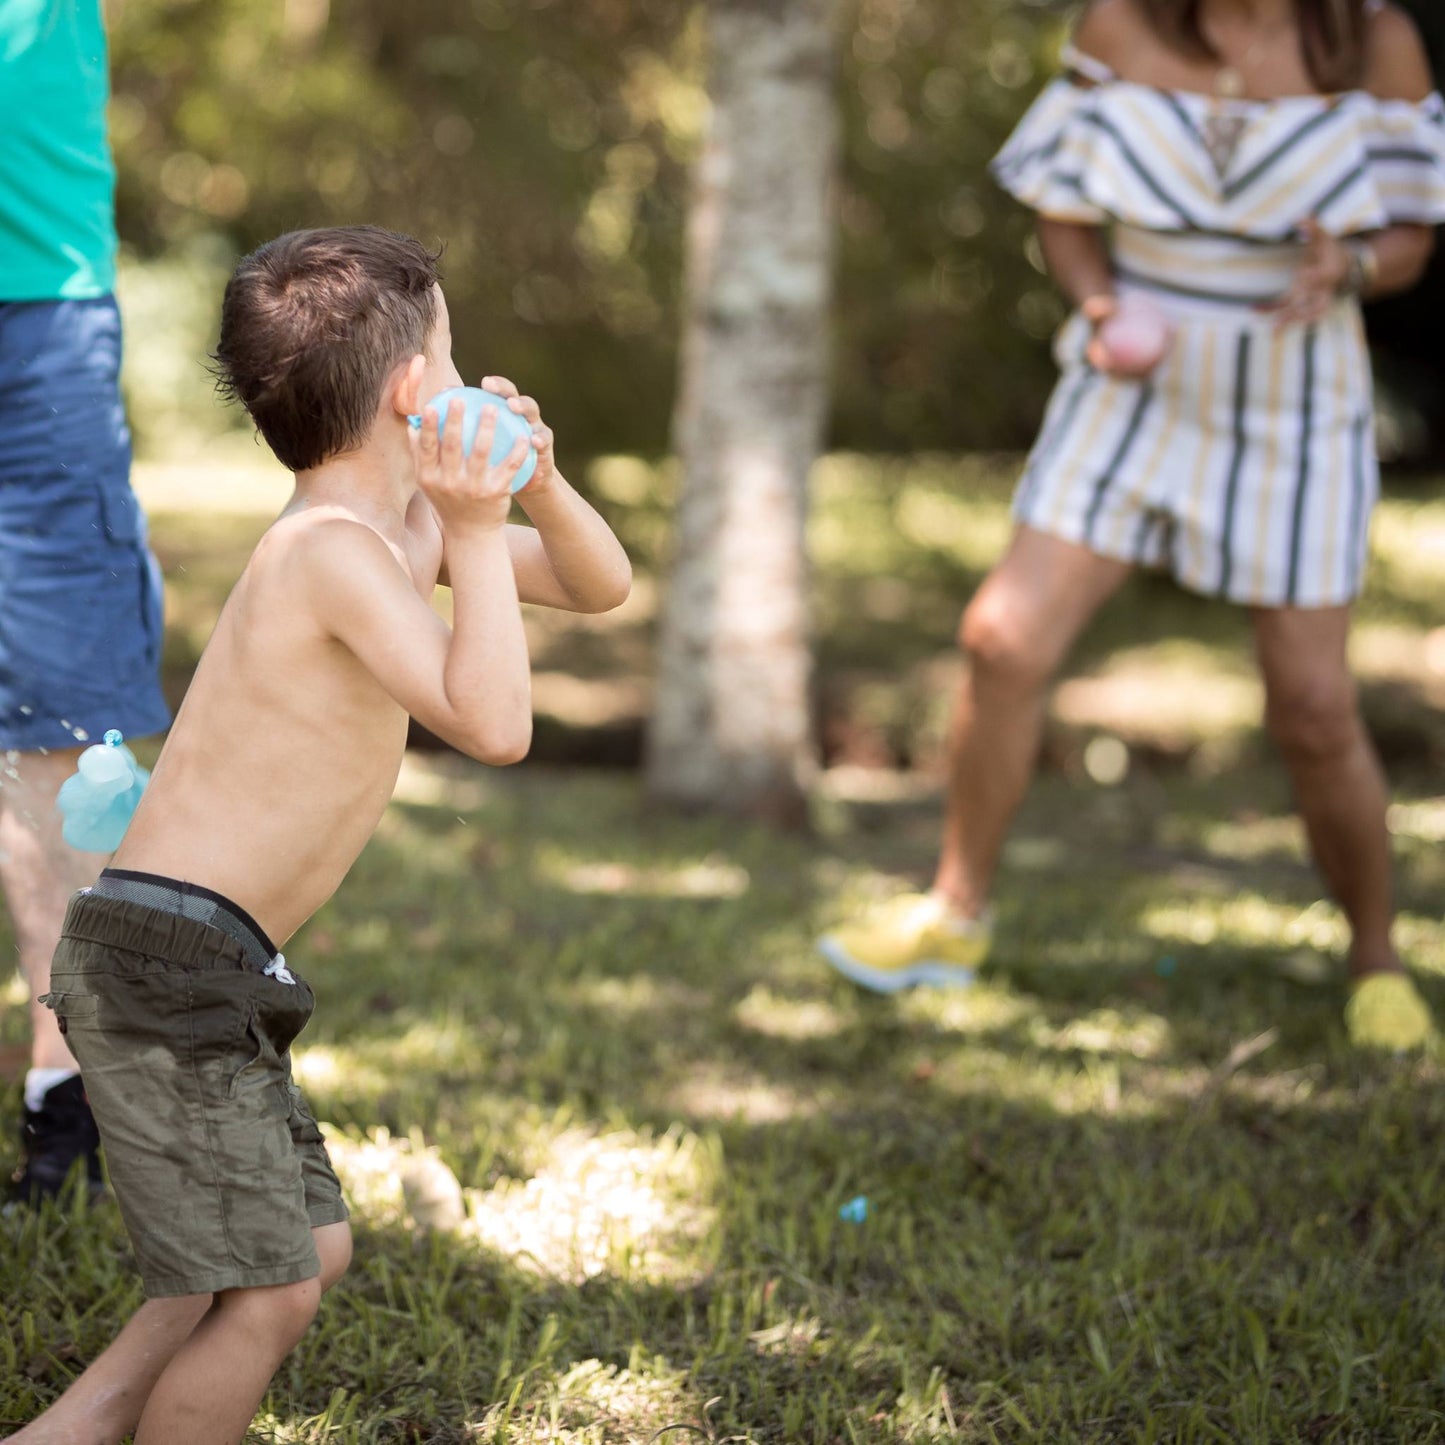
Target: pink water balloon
(1136,337)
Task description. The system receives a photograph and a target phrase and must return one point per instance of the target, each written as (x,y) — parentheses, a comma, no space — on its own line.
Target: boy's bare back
(286,749)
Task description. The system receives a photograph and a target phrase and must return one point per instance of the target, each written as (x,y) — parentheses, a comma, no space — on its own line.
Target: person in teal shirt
(80,593)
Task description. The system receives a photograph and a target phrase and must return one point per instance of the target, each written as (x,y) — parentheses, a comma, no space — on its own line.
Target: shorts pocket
(261,1076)
(73,1010)
(120,512)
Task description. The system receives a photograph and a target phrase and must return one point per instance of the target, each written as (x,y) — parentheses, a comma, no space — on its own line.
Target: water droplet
(81,736)
(26,710)
(113,737)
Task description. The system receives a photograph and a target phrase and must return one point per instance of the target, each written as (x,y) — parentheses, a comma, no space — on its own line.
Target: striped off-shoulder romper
(1245,464)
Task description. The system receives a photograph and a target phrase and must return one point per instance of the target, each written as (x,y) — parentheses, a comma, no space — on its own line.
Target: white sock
(39,1082)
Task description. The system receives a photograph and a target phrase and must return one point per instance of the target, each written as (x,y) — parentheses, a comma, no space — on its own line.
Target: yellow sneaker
(911,942)
(1386,1011)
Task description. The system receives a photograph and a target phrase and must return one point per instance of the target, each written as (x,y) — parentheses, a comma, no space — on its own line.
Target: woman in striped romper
(1253,168)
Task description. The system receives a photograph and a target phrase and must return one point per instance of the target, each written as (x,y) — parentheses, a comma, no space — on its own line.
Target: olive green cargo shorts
(216,1162)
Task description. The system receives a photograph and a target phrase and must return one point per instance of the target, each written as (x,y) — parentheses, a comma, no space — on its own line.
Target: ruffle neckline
(1140,155)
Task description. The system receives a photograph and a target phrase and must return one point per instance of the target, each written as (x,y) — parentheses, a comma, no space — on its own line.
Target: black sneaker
(54,1138)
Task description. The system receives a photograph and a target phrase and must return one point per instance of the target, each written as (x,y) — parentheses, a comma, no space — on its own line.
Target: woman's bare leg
(1313,714)
(1017,631)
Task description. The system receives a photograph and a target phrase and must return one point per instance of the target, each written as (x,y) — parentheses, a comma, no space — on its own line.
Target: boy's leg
(210,1391)
(103,1405)
(106,1402)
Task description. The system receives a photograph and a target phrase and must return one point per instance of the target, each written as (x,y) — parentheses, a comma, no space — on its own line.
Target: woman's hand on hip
(1319,281)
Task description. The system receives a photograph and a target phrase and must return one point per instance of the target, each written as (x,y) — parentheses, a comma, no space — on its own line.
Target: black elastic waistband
(190,901)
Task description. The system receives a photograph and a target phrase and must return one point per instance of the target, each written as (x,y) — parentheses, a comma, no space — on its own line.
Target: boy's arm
(471,683)
(569,558)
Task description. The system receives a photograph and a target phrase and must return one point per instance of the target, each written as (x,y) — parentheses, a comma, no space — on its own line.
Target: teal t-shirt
(57,180)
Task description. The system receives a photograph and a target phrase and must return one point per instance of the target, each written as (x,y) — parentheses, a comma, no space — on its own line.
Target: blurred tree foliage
(547,143)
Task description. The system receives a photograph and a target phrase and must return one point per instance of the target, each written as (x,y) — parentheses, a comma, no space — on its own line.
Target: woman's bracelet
(1362,269)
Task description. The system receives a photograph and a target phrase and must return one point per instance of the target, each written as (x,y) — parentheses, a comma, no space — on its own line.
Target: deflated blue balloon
(98,800)
(511,428)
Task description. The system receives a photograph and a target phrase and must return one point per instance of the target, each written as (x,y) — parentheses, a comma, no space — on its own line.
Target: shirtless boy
(167,981)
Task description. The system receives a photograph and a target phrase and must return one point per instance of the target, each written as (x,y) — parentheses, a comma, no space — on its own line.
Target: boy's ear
(406,397)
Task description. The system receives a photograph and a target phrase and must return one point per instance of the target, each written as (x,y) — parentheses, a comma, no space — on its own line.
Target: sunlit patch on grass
(1107,1031)
(1382,651)
(616,1203)
(1174,693)
(595,1404)
(797,1337)
(443,781)
(639,994)
(1094,1084)
(762,1011)
(329,1070)
(374,1170)
(1247,920)
(709,878)
(1423,819)
(1250,838)
(1422,940)
(973,534)
(445,1042)
(848,784)
(977,1010)
(1407,541)
(716,1093)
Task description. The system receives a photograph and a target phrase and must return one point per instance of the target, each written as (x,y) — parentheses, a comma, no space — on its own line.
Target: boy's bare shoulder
(327,559)
(323,540)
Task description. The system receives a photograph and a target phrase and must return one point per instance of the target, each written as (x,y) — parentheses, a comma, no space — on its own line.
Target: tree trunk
(732,725)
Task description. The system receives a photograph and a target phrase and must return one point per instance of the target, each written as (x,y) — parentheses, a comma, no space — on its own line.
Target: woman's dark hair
(312,324)
(1333,32)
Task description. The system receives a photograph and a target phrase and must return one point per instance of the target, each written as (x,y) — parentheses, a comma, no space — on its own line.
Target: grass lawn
(1133,1186)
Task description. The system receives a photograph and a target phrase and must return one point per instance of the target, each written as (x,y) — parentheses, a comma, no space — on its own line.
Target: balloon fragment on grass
(98,800)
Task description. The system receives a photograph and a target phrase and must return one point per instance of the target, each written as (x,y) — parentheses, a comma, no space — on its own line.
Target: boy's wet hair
(312,324)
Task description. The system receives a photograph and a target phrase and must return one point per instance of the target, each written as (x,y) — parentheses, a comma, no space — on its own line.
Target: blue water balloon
(511,428)
(99,798)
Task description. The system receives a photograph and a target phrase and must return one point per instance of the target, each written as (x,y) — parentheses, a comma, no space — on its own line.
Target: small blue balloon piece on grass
(511,428)
(855,1211)
(98,799)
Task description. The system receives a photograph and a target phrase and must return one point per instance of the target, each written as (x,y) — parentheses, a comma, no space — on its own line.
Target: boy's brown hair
(312,324)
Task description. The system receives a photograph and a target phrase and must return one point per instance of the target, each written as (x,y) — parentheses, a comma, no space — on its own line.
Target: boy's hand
(542,439)
(466,491)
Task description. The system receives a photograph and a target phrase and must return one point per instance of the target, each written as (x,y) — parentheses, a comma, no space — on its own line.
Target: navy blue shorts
(80,592)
